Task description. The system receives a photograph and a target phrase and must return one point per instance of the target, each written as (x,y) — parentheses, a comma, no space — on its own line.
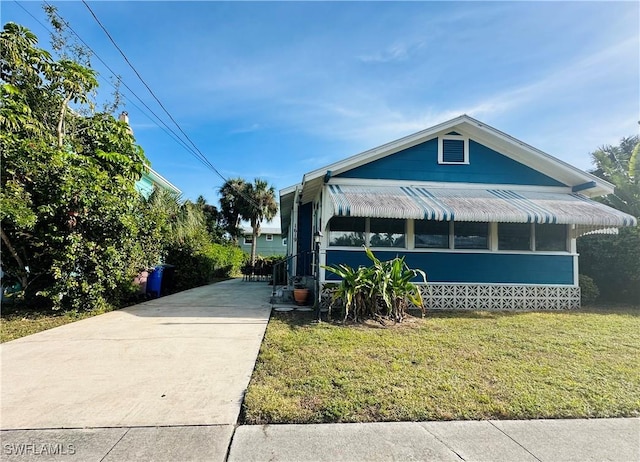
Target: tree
(613,262)
(231,204)
(214,220)
(254,202)
(71,216)
(260,205)
(620,165)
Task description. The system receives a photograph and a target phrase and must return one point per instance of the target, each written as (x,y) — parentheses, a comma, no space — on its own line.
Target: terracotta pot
(301,296)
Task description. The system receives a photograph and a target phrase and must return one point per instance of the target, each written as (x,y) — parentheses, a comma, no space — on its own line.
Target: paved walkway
(164,381)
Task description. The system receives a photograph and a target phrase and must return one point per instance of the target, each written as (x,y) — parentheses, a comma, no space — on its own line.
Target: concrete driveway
(181,360)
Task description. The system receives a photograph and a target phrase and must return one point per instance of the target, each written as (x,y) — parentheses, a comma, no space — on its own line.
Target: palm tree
(232,202)
(261,204)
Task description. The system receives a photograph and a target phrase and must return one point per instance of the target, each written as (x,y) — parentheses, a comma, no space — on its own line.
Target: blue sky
(276,89)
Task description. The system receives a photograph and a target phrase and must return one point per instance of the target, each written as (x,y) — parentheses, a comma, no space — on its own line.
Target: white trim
(447,185)
(484,134)
(268,237)
(436,250)
(465,148)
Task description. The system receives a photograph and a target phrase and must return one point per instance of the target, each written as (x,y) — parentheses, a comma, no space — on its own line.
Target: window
(284,241)
(551,237)
(514,236)
(269,237)
(248,240)
(470,235)
(453,149)
(386,232)
(347,231)
(431,234)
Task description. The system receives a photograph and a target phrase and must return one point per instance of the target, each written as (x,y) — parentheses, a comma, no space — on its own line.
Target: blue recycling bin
(154,282)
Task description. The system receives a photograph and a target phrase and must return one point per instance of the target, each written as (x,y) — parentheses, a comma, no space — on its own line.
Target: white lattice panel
(493,297)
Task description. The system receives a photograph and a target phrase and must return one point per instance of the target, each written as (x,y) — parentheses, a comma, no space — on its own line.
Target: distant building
(151,180)
(270,242)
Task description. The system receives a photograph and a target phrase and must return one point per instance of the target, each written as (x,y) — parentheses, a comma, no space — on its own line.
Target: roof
(586,183)
(161,181)
(263,230)
(474,204)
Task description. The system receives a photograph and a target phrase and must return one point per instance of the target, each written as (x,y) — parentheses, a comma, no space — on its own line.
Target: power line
(201,156)
(168,131)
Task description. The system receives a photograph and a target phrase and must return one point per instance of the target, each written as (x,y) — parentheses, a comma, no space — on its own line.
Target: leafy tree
(620,165)
(71,216)
(214,220)
(613,262)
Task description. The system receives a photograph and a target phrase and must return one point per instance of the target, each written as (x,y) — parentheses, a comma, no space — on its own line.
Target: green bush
(613,262)
(588,290)
(381,291)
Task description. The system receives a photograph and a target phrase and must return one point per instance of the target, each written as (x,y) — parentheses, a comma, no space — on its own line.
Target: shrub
(381,291)
(588,290)
(613,262)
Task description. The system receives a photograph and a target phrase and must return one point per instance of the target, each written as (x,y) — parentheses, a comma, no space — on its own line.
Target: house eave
(479,131)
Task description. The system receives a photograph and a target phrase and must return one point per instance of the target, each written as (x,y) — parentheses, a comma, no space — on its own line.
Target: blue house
(491,220)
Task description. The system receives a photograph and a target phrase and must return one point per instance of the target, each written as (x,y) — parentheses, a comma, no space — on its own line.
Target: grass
(21,323)
(449,365)
(16,322)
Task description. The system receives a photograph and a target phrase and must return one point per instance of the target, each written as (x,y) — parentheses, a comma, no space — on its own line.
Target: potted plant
(300,293)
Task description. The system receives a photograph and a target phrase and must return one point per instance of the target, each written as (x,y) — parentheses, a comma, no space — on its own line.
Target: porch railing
(303,260)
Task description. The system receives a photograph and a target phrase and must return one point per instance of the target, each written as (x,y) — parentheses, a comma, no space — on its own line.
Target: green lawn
(450,365)
(21,323)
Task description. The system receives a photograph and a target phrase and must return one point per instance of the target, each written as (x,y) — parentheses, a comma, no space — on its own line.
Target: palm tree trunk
(254,245)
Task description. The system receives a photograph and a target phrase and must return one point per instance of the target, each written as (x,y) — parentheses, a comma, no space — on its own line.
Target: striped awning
(482,205)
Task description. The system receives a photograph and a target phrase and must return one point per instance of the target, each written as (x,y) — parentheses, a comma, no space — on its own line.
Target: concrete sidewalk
(494,441)
(164,381)
(163,376)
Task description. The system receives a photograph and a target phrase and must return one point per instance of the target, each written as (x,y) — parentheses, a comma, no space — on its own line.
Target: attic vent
(453,134)
(453,149)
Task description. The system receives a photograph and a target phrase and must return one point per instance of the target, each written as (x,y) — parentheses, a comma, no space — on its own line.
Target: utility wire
(166,128)
(201,156)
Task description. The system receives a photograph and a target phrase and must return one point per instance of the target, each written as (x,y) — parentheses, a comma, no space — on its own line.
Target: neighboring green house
(270,242)
(151,180)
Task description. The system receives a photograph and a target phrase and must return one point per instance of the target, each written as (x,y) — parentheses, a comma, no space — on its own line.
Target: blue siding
(472,267)
(305,216)
(420,163)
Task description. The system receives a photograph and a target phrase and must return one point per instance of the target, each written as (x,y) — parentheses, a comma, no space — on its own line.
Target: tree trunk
(23,277)
(254,245)
(63,111)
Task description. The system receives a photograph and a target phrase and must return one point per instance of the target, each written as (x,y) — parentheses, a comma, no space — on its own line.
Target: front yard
(449,365)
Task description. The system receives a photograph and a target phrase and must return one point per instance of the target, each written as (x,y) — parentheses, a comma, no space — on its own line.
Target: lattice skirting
(439,296)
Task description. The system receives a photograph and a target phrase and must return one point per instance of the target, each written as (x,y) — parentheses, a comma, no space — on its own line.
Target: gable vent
(453,151)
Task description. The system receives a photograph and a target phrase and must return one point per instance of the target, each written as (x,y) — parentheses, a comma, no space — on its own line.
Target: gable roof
(507,145)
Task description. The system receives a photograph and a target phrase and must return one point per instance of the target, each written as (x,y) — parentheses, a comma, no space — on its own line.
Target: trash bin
(154,282)
(168,279)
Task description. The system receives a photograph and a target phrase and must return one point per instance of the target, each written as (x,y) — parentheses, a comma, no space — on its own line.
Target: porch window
(431,234)
(347,231)
(551,237)
(386,232)
(470,235)
(514,236)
